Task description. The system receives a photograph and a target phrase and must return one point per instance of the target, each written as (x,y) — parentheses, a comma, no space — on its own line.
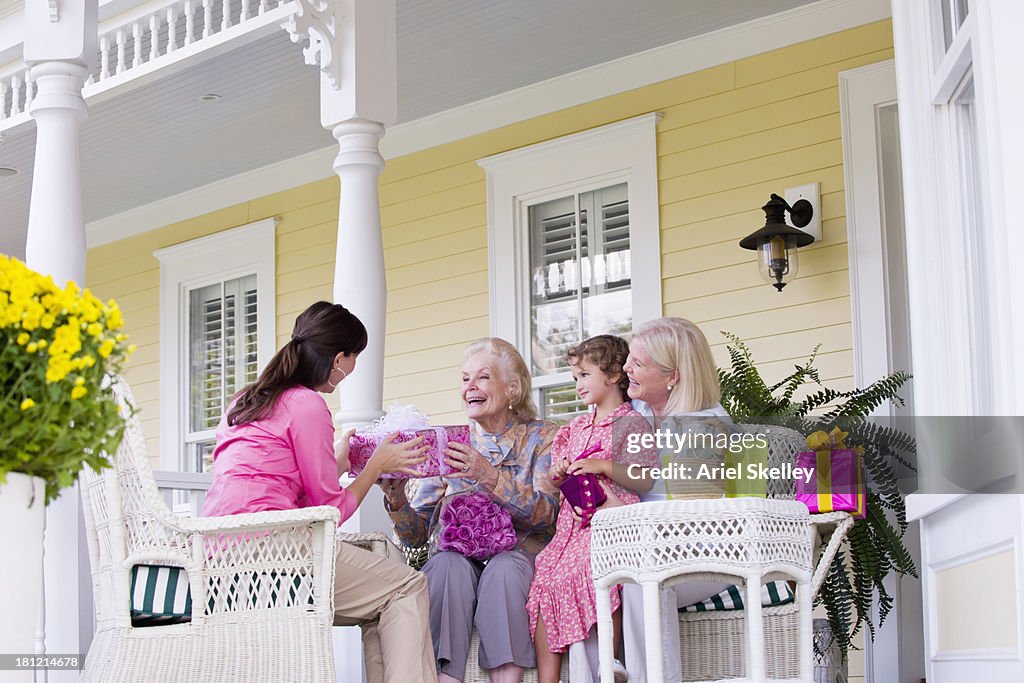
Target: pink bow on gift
(589,452)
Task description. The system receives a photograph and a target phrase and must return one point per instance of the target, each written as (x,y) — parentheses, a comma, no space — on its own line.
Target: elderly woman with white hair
(508,461)
(673,379)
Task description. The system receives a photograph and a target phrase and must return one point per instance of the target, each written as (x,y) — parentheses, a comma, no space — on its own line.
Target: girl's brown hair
(321,332)
(608,353)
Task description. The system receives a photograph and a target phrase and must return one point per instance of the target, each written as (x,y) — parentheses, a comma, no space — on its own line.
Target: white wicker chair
(713,643)
(261,584)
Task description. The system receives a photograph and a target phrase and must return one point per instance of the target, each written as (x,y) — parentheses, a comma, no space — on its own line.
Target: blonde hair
(677,344)
(513,371)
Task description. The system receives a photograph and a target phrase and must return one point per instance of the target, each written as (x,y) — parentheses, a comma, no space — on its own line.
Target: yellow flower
(114,318)
(94,330)
(78,392)
(32,348)
(27,404)
(79,381)
(106,348)
(43,343)
(23,338)
(132,348)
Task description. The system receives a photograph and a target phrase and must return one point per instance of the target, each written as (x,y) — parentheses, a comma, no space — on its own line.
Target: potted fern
(57,349)
(874,546)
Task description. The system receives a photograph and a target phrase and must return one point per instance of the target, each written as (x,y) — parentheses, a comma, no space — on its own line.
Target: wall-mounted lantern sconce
(777,242)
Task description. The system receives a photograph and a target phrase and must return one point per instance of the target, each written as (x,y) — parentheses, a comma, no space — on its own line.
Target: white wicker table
(746,541)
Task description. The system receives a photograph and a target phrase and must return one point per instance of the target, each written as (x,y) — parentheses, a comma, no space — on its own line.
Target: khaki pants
(388,600)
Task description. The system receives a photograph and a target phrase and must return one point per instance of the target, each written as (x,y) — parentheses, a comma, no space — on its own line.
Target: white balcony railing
(149,37)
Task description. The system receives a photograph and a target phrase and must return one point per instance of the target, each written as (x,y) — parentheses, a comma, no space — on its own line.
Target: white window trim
(245,250)
(927,76)
(625,151)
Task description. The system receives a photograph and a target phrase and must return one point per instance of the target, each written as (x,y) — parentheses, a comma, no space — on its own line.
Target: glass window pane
(561,403)
(954,13)
(203,451)
(206,362)
(555,316)
(581,272)
(222,349)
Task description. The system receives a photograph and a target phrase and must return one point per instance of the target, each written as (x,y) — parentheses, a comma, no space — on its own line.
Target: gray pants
(465,593)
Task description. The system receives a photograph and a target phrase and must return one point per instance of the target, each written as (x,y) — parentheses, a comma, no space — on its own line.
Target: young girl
(562,603)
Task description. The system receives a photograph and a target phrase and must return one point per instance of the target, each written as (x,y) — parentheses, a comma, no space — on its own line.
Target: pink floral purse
(584,491)
(475,526)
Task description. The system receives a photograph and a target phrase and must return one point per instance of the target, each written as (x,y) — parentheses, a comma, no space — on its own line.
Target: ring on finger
(465,468)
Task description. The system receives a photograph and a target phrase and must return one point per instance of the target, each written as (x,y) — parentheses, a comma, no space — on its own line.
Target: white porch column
(60,43)
(353,41)
(359,282)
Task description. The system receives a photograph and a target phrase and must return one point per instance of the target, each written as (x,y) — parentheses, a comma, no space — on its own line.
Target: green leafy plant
(874,547)
(57,349)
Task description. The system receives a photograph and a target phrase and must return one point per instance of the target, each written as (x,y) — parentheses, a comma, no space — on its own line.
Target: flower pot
(22,513)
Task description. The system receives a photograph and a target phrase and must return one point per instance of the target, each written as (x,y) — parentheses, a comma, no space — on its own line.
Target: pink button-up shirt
(282,462)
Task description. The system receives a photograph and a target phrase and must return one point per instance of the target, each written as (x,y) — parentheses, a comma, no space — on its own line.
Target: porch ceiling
(161,140)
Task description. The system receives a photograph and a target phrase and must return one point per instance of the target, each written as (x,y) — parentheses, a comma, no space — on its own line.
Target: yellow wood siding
(730,135)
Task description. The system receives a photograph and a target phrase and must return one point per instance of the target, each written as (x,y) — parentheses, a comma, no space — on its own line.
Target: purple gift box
(584,491)
(836,483)
(362,445)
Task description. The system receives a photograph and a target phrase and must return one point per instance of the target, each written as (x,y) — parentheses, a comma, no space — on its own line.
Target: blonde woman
(673,378)
(508,461)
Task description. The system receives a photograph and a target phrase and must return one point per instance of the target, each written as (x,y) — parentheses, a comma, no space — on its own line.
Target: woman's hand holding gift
(469,463)
(402,457)
(341,452)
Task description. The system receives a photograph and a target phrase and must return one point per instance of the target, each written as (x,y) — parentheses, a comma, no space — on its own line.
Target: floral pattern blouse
(522,454)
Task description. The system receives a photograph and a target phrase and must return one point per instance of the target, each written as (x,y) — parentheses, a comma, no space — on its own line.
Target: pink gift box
(362,445)
(837,483)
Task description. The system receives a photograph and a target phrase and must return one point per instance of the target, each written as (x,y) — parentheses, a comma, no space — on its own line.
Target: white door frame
(862,92)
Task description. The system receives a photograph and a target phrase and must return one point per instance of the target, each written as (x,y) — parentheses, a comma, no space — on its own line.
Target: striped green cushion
(160,595)
(773,593)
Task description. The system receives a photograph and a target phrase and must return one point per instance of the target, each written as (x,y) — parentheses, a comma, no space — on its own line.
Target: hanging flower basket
(57,349)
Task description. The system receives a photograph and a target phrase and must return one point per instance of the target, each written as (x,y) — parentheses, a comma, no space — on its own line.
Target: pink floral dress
(562,592)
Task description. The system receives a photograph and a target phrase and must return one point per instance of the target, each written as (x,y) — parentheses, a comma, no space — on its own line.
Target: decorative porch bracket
(353,42)
(316,21)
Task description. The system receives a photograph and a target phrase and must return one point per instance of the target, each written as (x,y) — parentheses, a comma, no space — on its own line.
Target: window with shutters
(573,247)
(222,359)
(216,333)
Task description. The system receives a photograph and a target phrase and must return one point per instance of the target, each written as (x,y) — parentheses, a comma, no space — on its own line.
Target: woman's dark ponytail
(321,332)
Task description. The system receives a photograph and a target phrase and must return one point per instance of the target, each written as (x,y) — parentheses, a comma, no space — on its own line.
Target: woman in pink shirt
(275,451)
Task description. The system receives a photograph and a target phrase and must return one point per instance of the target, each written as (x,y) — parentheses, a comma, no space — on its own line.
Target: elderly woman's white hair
(513,372)
(678,344)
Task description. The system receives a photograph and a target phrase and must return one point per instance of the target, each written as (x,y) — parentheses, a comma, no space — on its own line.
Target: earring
(670,387)
(335,384)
